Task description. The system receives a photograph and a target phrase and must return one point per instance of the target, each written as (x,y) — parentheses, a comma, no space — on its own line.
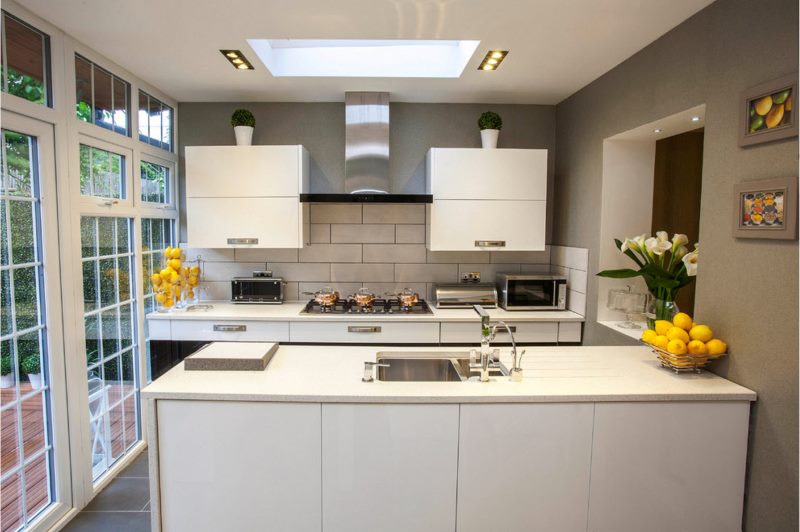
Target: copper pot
(407,297)
(363,298)
(327,296)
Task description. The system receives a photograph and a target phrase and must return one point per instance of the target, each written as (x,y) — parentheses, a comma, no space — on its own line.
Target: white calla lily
(680,251)
(656,246)
(626,245)
(690,261)
(662,236)
(679,239)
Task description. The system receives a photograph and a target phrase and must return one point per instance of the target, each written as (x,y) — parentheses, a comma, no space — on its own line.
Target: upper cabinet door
(245,171)
(474,173)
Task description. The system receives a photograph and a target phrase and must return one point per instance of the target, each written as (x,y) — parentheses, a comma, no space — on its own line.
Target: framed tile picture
(766,209)
(768,111)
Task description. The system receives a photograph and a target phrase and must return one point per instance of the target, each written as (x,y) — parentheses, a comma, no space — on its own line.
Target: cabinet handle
(355,329)
(490,243)
(230,328)
(232,241)
(503,330)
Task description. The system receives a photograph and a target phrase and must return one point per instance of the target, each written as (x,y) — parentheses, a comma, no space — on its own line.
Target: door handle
(512,327)
(490,243)
(233,241)
(362,329)
(230,328)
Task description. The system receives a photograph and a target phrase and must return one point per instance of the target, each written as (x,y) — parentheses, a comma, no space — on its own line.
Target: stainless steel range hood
(367,154)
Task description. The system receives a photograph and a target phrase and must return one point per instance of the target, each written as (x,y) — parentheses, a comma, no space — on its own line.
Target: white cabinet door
(470,173)
(663,467)
(469,225)
(226,465)
(389,467)
(363,332)
(524,333)
(244,171)
(244,222)
(230,330)
(524,467)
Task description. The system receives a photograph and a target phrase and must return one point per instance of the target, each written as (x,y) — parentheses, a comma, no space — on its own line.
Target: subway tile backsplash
(381,247)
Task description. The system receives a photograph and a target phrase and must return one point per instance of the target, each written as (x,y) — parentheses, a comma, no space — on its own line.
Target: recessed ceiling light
(493,59)
(237,59)
(364,58)
(695,119)
(657,130)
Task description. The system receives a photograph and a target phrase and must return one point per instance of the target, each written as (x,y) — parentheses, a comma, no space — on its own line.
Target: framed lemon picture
(766,209)
(769,111)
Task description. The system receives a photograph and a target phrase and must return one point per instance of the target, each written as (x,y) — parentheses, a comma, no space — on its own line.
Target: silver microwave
(532,292)
(261,288)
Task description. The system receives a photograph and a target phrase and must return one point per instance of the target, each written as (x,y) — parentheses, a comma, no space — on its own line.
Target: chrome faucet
(488,334)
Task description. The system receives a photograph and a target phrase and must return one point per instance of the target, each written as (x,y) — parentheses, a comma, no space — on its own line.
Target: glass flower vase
(660,309)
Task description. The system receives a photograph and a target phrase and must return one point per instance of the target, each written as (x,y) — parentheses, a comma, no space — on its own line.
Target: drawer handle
(490,243)
(503,330)
(230,328)
(233,241)
(358,329)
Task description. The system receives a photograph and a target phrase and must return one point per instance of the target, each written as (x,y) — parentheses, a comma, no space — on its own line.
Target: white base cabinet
(524,467)
(239,466)
(389,467)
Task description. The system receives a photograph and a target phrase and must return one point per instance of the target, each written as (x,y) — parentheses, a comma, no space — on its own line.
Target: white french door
(35,482)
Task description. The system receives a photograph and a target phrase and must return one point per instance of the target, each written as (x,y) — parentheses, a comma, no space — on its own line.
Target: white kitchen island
(594,438)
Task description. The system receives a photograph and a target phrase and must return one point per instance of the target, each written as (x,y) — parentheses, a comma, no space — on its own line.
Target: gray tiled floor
(123,506)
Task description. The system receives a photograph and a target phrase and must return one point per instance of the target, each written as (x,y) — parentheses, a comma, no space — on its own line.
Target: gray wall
(414,129)
(747,289)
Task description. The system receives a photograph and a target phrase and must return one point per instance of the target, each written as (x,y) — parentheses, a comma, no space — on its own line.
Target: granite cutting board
(231,356)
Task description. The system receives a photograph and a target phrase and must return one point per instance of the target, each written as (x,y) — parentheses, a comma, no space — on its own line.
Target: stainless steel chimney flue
(367,143)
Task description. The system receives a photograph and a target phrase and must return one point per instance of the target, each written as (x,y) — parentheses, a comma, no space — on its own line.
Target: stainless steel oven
(261,288)
(532,292)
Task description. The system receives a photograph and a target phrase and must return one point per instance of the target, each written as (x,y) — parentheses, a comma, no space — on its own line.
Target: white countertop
(290,311)
(551,374)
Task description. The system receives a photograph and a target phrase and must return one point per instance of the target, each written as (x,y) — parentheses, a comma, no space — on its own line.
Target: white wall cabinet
(226,465)
(389,467)
(486,199)
(524,467)
(246,196)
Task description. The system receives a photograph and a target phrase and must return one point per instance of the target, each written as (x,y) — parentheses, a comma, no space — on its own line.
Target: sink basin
(429,367)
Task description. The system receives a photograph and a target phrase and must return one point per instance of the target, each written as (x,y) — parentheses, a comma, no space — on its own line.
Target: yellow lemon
(648,335)
(177,292)
(174,277)
(676,347)
(702,333)
(168,252)
(155,279)
(193,280)
(190,294)
(716,346)
(696,347)
(660,341)
(176,253)
(166,274)
(194,270)
(676,333)
(160,297)
(682,320)
(662,326)
(168,303)
(175,264)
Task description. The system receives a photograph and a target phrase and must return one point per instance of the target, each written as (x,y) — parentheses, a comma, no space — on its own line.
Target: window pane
(26,298)
(90,292)
(24,67)
(92,330)
(102,173)
(105,231)
(18,169)
(155,121)
(22,231)
(101,97)
(108,283)
(144,107)
(83,89)
(155,182)
(88,237)
(5,303)
(166,128)
(4,252)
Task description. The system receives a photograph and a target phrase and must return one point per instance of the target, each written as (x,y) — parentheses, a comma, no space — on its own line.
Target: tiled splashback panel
(381,247)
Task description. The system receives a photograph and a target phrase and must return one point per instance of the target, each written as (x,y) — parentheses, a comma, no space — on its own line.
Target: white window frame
(91,203)
(159,210)
(68,132)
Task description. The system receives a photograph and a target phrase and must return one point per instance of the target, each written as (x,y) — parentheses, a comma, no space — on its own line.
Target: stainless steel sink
(428,367)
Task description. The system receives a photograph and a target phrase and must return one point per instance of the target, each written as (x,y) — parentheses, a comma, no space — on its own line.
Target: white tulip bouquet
(665,266)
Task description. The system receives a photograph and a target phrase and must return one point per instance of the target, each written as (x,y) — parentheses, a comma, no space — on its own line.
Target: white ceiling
(557,46)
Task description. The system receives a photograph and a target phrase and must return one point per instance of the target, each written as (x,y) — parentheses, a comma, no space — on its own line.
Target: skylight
(364,58)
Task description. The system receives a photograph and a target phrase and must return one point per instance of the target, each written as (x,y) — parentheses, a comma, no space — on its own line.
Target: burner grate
(378,306)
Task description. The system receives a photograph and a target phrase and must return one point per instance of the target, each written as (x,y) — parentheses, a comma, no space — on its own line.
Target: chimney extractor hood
(367,154)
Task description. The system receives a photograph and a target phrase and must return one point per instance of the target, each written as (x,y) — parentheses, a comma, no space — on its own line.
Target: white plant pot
(7,381)
(489,138)
(244,135)
(36,380)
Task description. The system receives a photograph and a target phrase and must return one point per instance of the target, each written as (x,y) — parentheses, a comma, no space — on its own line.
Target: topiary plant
(5,365)
(30,365)
(243,117)
(490,120)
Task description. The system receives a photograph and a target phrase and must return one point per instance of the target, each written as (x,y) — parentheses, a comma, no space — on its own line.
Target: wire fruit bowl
(685,363)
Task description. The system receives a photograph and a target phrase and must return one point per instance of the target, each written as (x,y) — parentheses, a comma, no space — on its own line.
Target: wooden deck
(37,490)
